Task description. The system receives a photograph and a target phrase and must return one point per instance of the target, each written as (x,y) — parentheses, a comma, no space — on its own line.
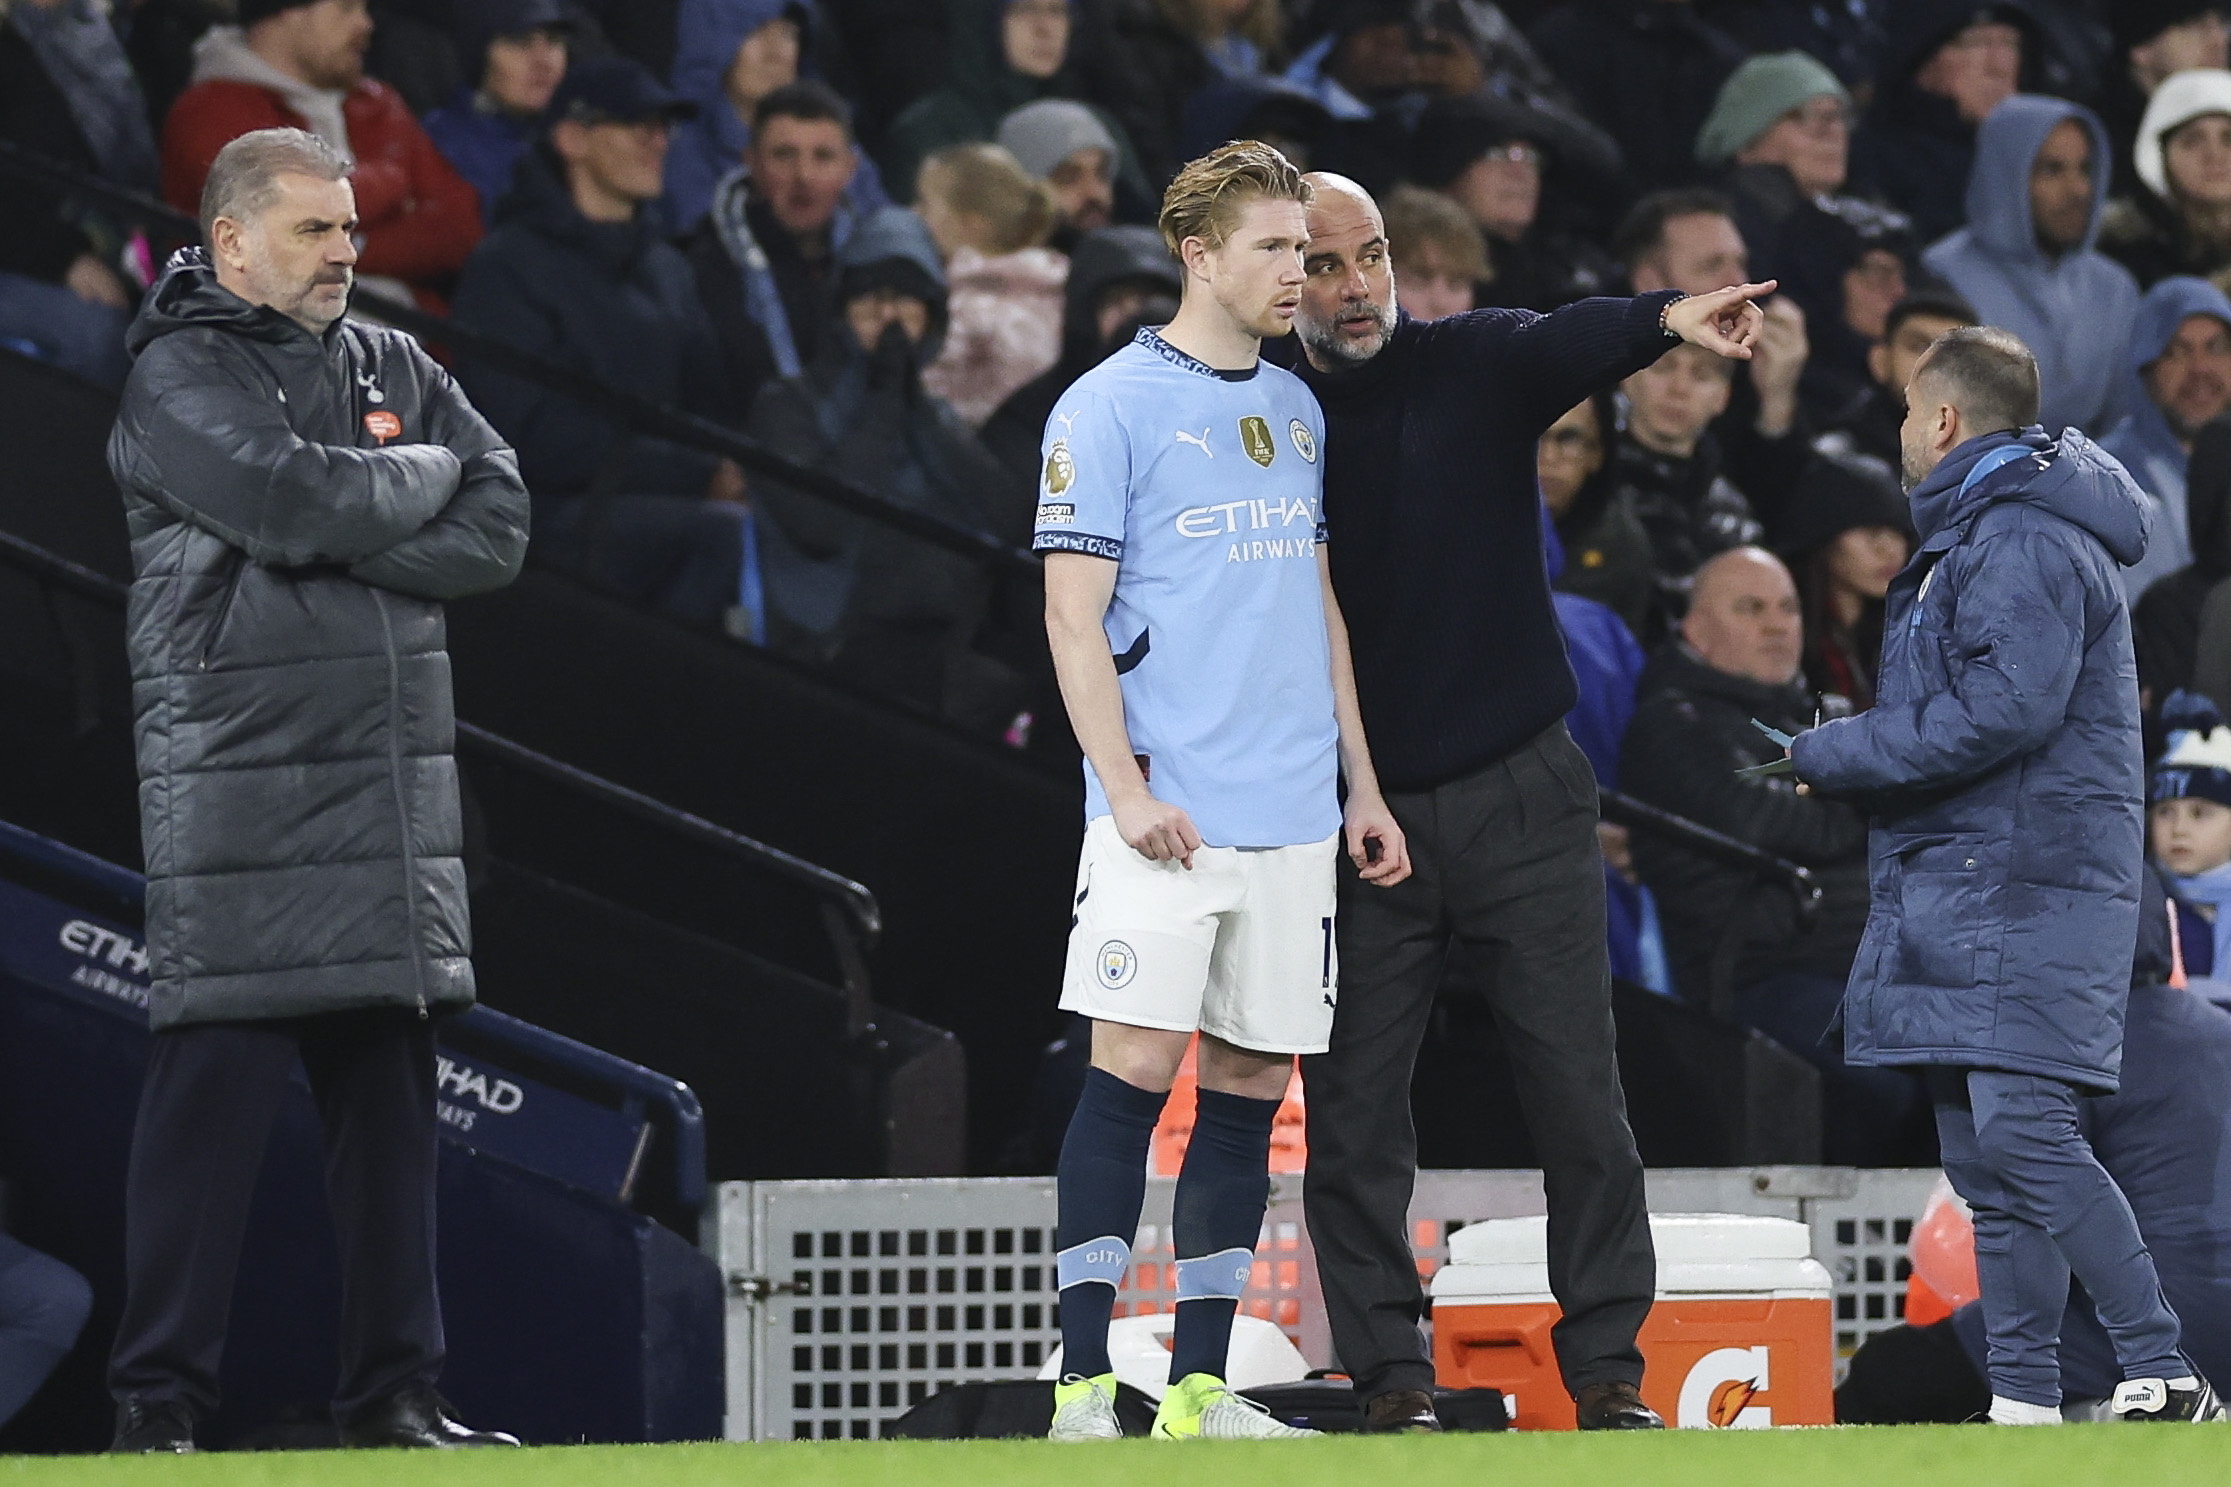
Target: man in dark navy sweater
(1433,517)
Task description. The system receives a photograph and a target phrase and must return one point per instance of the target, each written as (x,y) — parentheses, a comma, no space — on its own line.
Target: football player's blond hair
(1207,197)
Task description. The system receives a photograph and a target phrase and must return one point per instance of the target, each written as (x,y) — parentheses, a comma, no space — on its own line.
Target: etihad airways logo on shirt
(1227,518)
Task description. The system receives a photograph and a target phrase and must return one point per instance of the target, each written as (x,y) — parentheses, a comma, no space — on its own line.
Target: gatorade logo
(1723,1391)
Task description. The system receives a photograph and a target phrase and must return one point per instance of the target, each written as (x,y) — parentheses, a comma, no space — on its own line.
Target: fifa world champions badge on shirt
(1305,443)
(1254,437)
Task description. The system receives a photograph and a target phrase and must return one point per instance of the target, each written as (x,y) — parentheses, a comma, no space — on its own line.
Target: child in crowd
(2189,828)
(1439,254)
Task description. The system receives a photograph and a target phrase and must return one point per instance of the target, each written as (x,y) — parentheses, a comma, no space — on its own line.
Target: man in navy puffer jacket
(2001,764)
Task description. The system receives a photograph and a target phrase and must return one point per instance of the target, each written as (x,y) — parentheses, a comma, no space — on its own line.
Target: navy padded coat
(2002,768)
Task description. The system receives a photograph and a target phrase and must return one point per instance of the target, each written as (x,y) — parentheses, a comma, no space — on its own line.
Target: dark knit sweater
(1434,521)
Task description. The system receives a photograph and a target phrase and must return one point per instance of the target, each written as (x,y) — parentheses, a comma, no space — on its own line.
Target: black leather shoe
(153,1427)
(1403,1412)
(417,1418)
(1614,1406)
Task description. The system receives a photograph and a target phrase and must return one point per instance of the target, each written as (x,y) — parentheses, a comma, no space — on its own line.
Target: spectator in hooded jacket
(888,612)
(764,254)
(1001,54)
(2154,40)
(1648,71)
(2026,259)
(516,51)
(301,65)
(1004,285)
(1734,940)
(2166,622)
(578,272)
(1119,279)
(1845,535)
(1064,144)
(730,57)
(1868,424)
(1496,159)
(1945,65)
(2180,379)
(2175,217)
(67,275)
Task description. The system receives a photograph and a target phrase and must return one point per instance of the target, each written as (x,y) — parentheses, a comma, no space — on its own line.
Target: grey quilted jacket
(299,507)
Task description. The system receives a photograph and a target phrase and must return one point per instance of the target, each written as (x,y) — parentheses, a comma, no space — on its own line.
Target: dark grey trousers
(1505,864)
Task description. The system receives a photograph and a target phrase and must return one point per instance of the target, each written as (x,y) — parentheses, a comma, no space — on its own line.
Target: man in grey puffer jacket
(303,492)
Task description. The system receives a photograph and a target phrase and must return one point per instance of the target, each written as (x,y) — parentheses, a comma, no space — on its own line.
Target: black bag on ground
(1330,1405)
(1010,1407)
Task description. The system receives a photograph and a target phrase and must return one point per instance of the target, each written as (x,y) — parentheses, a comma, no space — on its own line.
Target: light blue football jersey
(1206,489)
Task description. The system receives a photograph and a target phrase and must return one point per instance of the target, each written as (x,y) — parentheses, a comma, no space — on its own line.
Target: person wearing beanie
(1779,139)
(514,54)
(1503,162)
(886,612)
(301,65)
(2153,41)
(1945,65)
(1845,535)
(1064,144)
(2174,214)
(578,270)
(2188,826)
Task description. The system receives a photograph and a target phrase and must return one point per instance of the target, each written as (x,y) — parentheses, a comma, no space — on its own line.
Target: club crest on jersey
(1061,468)
(1254,437)
(1118,964)
(1305,443)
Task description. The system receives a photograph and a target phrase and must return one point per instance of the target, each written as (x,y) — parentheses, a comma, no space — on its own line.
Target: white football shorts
(1241,947)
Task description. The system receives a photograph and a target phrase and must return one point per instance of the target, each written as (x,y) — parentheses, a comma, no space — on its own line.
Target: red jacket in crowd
(420,218)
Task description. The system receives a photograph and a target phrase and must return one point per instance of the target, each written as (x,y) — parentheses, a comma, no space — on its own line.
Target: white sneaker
(2187,1400)
(1201,1406)
(1084,1410)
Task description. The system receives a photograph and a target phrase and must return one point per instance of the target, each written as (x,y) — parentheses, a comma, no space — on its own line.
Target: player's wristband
(1664,328)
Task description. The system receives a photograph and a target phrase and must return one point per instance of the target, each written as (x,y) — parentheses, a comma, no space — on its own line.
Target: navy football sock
(1221,1192)
(1102,1186)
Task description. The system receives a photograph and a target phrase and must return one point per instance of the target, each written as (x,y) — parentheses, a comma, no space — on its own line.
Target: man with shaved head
(1734,941)
(1433,528)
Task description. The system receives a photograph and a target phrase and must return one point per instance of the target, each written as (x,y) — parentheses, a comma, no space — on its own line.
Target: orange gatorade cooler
(1740,1338)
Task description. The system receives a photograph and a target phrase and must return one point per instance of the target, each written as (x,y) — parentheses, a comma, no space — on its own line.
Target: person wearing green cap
(1781,131)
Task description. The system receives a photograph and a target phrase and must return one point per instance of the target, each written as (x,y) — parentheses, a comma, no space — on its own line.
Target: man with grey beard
(1434,526)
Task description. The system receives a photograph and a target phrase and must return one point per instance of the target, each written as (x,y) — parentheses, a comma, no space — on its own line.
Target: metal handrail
(1625,810)
(642,413)
(855,924)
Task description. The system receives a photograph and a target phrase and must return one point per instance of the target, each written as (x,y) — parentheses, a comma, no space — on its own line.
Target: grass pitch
(1957,1456)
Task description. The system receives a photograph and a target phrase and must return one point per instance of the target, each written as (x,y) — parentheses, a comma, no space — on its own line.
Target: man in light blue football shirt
(1205,669)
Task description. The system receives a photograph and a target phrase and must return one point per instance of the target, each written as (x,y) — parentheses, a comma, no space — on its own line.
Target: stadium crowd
(881,236)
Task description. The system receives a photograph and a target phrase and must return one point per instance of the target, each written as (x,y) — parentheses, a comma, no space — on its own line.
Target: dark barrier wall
(970,848)
(569,1315)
